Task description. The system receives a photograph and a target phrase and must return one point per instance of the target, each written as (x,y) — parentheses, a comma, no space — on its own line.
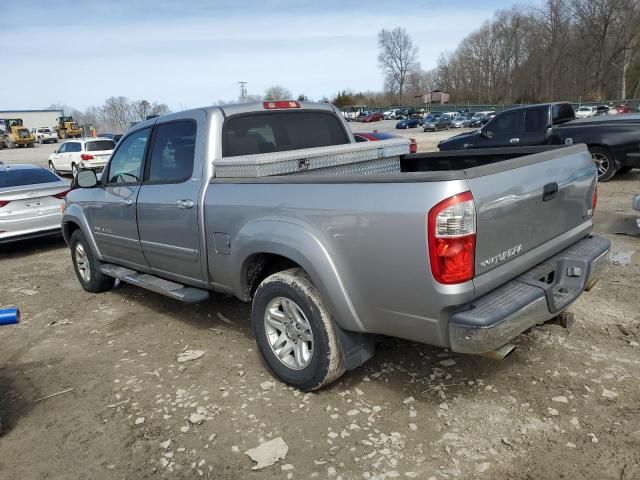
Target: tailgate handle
(550,191)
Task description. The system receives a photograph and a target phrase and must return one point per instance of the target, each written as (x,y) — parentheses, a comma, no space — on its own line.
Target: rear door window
(73,147)
(99,145)
(279,132)
(173,152)
(535,120)
(27,176)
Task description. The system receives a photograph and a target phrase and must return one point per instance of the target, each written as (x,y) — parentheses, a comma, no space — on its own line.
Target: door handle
(184,203)
(514,140)
(127,203)
(549,191)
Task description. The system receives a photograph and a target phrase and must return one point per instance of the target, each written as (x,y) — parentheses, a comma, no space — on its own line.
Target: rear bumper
(536,296)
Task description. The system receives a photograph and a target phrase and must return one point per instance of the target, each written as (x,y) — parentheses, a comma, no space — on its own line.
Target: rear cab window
(562,112)
(26,176)
(99,145)
(267,132)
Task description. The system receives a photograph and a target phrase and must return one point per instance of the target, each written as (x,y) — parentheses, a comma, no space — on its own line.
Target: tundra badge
(501,257)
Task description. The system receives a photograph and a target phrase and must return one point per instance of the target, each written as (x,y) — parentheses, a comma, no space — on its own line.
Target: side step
(155,284)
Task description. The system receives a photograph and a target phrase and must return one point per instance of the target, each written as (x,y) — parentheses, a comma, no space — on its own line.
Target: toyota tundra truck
(463,250)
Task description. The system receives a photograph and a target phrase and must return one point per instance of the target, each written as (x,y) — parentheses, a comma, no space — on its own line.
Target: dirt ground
(565,404)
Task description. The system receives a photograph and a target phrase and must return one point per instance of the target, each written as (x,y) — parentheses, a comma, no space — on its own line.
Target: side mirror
(86,179)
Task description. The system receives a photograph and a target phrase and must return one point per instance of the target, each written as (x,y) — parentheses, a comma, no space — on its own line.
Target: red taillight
(451,233)
(595,198)
(61,194)
(413,146)
(86,156)
(280,104)
(4,202)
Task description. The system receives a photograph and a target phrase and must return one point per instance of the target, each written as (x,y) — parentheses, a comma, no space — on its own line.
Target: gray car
(333,241)
(31,201)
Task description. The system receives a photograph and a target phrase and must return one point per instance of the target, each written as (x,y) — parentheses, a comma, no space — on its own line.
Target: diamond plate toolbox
(365,158)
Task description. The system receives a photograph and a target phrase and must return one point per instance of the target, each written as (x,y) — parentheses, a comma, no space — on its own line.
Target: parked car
(624,108)
(373,117)
(31,198)
(83,153)
(478,120)
(376,136)
(409,123)
(636,206)
(458,122)
(612,140)
(44,135)
(602,110)
(113,136)
(391,114)
(330,261)
(440,123)
(585,111)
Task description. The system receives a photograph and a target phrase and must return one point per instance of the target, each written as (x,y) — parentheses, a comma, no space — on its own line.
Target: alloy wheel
(82,262)
(289,333)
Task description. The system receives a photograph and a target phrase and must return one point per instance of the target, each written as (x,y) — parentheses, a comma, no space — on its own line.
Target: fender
(74,214)
(295,241)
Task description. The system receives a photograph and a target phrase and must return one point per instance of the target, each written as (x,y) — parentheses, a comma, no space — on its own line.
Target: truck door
(536,122)
(504,130)
(168,202)
(113,212)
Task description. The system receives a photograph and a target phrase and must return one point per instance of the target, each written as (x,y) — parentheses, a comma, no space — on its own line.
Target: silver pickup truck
(464,250)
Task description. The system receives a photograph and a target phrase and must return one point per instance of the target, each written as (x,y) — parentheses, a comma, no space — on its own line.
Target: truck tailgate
(525,202)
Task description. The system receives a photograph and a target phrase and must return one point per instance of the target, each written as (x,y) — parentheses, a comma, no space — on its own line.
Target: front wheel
(87,266)
(295,332)
(52,167)
(604,162)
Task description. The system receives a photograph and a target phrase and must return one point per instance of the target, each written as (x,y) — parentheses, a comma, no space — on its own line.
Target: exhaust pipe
(500,353)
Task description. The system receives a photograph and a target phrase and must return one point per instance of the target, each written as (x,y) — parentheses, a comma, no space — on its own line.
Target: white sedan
(31,201)
(81,154)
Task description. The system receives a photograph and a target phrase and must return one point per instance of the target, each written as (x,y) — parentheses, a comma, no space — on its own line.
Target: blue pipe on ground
(9,316)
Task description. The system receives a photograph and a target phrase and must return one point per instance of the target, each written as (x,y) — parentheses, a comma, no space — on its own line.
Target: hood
(457,141)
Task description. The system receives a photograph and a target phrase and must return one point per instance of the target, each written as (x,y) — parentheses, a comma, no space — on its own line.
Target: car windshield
(100,145)
(26,176)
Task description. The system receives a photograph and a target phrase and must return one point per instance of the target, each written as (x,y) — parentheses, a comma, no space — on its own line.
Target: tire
(74,170)
(52,167)
(605,162)
(87,266)
(307,365)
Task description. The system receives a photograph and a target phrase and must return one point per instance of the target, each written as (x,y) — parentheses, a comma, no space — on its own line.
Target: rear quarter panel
(363,244)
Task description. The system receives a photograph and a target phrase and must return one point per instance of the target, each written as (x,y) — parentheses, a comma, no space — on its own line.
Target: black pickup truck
(614,141)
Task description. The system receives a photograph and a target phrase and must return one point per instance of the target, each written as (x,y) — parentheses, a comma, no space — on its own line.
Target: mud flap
(356,347)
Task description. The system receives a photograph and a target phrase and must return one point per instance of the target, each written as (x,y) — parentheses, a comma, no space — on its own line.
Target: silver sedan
(31,202)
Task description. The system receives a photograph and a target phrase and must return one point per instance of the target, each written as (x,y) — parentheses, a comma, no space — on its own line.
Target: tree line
(557,49)
(115,115)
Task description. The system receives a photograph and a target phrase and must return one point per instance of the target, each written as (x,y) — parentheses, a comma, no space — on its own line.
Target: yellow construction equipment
(67,128)
(17,135)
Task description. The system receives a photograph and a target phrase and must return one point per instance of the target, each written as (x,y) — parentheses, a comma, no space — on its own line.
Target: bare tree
(277,92)
(396,58)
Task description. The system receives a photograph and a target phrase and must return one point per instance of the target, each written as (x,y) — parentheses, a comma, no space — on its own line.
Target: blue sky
(189,54)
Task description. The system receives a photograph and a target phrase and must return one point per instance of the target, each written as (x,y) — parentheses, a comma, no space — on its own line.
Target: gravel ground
(565,404)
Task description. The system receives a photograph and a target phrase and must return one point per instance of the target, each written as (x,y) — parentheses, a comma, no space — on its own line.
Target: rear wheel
(52,167)
(294,331)
(604,162)
(74,170)
(87,266)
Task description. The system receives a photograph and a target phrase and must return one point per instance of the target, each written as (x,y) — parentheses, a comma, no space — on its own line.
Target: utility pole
(243,91)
